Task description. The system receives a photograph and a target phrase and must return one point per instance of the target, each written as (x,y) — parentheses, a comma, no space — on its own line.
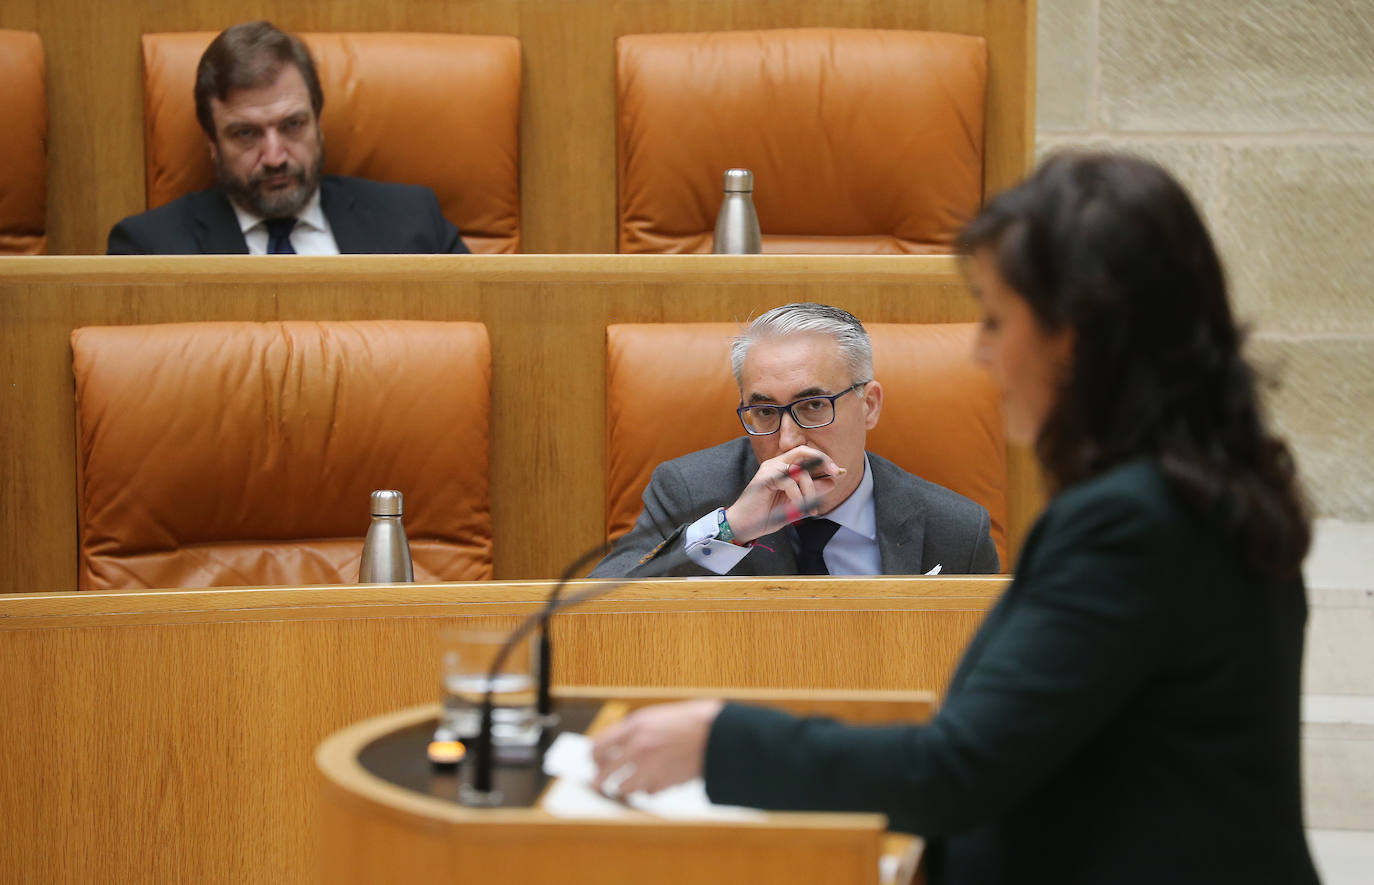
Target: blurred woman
(1128,712)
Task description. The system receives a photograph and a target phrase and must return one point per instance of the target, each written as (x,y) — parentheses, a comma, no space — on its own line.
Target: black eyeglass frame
(790,409)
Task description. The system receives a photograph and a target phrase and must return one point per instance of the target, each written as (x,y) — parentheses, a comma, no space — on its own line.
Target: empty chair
(24,148)
(941,417)
(440,110)
(214,454)
(860,141)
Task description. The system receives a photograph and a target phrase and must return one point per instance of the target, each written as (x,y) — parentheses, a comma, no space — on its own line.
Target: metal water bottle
(386,553)
(737,225)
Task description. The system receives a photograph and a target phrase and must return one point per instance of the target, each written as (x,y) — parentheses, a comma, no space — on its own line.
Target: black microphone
(479,791)
(544,701)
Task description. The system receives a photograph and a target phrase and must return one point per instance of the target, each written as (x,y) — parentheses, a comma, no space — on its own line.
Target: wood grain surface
(546,317)
(167,736)
(567,113)
(378,832)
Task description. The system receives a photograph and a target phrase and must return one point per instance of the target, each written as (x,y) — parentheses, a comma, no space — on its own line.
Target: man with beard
(258,99)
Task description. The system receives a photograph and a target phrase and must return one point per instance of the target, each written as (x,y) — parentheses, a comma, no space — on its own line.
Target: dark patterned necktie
(279,236)
(814,534)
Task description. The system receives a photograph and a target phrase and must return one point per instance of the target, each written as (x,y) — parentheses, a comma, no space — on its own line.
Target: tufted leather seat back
(24,147)
(441,110)
(669,392)
(224,454)
(860,141)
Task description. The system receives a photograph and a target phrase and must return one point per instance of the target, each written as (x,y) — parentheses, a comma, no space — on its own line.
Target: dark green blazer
(1128,713)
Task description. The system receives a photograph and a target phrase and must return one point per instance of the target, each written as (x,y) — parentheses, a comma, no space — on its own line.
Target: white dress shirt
(310,236)
(853,550)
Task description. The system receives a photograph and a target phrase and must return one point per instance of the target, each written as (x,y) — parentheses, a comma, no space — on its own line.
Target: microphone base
(470,795)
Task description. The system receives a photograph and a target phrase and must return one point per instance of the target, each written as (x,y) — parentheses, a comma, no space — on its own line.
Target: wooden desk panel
(546,317)
(167,735)
(380,831)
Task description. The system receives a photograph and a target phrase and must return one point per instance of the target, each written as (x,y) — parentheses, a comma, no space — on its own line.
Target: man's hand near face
(781,491)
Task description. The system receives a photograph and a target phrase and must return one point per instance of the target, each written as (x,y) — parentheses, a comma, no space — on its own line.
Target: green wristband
(723,530)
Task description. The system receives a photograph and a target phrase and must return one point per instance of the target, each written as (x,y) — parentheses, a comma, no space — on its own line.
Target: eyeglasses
(809,413)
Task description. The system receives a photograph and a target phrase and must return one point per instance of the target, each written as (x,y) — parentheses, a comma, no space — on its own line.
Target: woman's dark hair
(249,55)
(1111,247)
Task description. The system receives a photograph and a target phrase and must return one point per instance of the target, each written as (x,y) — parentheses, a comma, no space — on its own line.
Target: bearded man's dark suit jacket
(920,524)
(1127,713)
(366,217)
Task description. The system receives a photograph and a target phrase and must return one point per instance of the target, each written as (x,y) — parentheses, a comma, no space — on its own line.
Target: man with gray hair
(798,494)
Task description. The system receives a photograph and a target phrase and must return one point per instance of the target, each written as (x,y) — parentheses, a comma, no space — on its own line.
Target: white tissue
(569,759)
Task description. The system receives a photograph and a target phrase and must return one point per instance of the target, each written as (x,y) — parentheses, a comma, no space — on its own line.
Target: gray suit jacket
(920,524)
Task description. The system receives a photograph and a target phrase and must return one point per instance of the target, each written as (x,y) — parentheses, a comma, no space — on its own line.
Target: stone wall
(1264,109)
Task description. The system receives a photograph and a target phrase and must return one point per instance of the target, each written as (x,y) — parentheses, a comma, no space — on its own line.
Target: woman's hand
(654,748)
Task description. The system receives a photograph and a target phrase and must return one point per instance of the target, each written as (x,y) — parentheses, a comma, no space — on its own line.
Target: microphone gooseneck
(544,703)
(481,786)
(480,790)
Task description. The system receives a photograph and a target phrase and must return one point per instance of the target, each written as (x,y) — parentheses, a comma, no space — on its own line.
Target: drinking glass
(468,659)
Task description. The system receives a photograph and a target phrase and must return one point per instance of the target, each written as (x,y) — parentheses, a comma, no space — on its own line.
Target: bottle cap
(386,502)
(739,181)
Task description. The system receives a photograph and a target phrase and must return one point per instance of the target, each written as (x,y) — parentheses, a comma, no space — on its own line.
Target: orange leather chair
(24,147)
(441,110)
(860,141)
(241,454)
(669,392)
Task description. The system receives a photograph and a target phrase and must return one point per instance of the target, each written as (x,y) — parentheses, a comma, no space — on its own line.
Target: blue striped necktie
(279,236)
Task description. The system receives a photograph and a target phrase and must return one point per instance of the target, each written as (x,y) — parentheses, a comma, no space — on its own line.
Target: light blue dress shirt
(852,551)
